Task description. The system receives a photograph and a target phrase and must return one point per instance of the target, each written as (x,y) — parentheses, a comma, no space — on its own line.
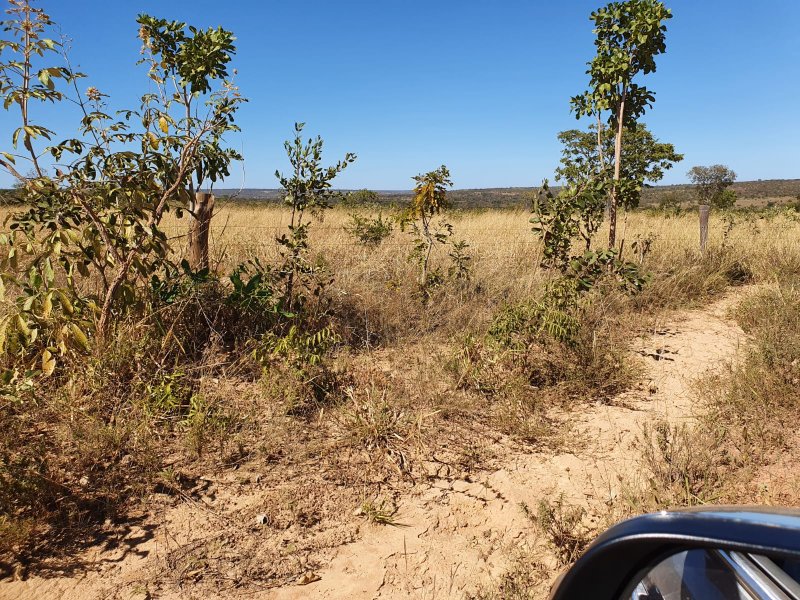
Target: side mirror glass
(715,574)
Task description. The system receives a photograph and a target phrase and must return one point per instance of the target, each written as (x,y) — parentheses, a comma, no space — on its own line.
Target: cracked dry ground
(453,533)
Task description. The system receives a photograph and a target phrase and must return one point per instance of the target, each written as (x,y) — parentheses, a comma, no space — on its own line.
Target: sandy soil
(452,534)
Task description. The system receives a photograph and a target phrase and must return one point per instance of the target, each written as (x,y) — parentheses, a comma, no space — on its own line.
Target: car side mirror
(710,554)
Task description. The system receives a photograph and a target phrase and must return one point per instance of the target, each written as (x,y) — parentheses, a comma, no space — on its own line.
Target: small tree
(308,189)
(630,35)
(85,249)
(712,185)
(577,212)
(430,199)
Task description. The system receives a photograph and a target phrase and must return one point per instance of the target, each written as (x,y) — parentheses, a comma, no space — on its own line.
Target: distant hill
(750,193)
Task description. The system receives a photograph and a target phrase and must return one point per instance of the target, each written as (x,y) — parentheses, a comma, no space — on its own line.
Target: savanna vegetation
(336,342)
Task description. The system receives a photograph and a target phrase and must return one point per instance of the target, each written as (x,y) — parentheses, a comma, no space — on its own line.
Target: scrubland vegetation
(341,348)
(395,376)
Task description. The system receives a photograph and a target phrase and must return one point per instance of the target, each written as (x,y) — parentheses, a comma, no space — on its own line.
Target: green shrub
(369,231)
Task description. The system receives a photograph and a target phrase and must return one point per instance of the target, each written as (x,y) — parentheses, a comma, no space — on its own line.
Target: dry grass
(742,449)
(408,379)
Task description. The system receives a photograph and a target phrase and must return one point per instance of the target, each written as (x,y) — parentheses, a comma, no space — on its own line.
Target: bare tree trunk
(612,209)
(602,157)
(600,143)
(429,239)
(199,226)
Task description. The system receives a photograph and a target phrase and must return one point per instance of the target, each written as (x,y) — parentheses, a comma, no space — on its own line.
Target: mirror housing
(621,555)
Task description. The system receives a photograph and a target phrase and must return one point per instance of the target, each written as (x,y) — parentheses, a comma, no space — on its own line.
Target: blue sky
(480,86)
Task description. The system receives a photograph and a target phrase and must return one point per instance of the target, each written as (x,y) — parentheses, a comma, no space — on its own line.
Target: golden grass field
(502,237)
(505,253)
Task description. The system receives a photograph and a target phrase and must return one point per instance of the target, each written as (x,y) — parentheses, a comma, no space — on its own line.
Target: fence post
(202,210)
(703,227)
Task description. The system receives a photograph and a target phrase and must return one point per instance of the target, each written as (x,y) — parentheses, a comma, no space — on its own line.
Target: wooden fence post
(703,227)
(202,210)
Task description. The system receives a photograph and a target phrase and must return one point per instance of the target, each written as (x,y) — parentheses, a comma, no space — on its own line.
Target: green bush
(369,231)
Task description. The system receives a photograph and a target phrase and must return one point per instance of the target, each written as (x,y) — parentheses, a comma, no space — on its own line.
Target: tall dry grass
(506,255)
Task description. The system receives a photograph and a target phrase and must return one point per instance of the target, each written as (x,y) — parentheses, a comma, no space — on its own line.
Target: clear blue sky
(480,86)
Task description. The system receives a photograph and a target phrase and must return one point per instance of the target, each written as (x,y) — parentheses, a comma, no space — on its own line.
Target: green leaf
(44,77)
(65,302)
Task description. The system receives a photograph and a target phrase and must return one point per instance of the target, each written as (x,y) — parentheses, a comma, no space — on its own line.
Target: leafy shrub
(298,348)
(516,325)
(308,188)
(369,231)
(759,400)
(459,269)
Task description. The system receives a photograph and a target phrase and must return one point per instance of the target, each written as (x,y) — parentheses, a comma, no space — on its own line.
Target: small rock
(83,481)
(358,512)
(262,519)
(308,577)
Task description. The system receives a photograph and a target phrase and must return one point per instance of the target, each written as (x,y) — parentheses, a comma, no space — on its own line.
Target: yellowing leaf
(153,140)
(65,302)
(47,305)
(48,363)
(22,326)
(79,336)
(162,123)
(3,333)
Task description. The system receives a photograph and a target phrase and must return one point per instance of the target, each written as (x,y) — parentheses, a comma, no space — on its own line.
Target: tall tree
(629,35)
(644,159)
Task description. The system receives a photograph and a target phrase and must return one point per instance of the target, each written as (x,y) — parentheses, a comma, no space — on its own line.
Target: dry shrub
(65,470)
(372,422)
(693,279)
(682,466)
(573,353)
(89,441)
(758,400)
(524,414)
(525,580)
(749,421)
(563,527)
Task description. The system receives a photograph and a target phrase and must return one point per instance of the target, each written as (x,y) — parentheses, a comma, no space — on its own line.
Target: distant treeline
(761,192)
